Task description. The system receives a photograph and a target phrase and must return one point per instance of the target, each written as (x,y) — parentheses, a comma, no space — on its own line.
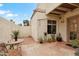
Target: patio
(31,48)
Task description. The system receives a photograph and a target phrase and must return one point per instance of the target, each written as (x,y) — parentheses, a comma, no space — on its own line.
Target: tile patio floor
(31,48)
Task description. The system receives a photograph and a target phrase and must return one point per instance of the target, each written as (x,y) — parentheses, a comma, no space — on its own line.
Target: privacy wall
(6,28)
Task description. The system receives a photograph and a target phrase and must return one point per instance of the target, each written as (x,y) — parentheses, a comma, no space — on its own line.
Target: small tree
(11,20)
(15,34)
(26,22)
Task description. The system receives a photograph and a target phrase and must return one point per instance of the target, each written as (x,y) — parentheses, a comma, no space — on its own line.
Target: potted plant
(49,40)
(59,38)
(40,40)
(45,36)
(15,34)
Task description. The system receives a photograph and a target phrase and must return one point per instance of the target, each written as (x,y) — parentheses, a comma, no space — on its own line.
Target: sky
(17,11)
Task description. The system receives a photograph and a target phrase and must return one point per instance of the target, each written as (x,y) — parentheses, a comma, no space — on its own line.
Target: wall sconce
(62,21)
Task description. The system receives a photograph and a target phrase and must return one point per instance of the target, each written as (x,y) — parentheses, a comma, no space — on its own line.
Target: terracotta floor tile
(31,48)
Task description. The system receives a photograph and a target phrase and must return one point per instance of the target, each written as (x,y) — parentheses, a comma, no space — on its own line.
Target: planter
(15,38)
(41,42)
(59,39)
(49,40)
(15,34)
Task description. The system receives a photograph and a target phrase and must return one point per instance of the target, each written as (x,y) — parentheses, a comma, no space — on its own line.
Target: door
(73,27)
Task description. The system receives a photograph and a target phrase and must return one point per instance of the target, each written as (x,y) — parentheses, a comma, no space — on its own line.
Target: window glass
(51,28)
(73,35)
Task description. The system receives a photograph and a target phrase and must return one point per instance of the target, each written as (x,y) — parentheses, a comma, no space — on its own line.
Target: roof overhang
(64,8)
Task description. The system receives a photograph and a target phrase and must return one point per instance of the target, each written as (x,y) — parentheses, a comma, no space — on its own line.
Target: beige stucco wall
(36,24)
(48,6)
(63,28)
(51,6)
(42,27)
(25,31)
(34,27)
(6,28)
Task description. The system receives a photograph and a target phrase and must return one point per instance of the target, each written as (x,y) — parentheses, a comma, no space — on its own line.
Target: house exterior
(54,18)
(50,18)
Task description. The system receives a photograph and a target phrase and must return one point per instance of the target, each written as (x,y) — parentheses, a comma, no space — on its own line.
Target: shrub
(53,37)
(77,52)
(74,43)
(3,49)
(45,36)
(49,38)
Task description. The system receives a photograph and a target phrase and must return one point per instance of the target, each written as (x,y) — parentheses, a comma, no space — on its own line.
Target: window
(51,27)
(73,35)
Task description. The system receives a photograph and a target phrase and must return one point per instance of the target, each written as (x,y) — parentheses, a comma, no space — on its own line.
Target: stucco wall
(35,23)
(51,6)
(42,27)
(34,27)
(6,28)
(25,31)
(48,6)
(63,28)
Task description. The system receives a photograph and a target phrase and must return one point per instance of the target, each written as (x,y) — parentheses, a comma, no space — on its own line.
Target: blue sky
(17,11)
